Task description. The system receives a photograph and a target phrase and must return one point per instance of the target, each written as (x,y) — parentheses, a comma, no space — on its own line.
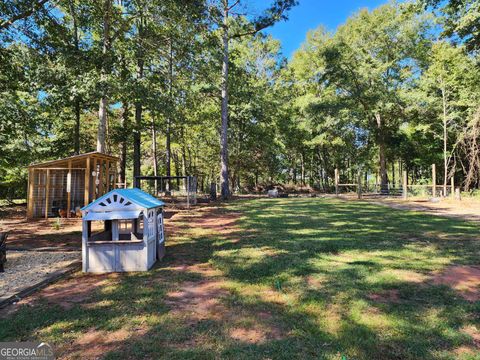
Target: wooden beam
(47,193)
(31,181)
(95,182)
(107,176)
(434,180)
(69,188)
(114,175)
(88,175)
(100,178)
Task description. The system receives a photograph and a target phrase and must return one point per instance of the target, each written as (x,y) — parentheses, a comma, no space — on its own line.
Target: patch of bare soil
(76,290)
(473,348)
(40,233)
(225,224)
(466,209)
(314,282)
(65,293)
(474,333)
(199,300)
(252,336)
(94,344)
(387,296)
(463,279)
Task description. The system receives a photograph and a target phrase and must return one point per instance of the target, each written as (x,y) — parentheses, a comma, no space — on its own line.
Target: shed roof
(136,196)
(75,157)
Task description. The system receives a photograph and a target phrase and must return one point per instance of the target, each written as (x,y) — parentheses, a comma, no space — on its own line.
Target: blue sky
(309,14)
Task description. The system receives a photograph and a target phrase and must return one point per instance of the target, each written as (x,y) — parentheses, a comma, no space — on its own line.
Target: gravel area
(27,268)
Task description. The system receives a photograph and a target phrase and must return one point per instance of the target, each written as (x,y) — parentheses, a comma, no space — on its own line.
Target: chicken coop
(60,188)
(132,237)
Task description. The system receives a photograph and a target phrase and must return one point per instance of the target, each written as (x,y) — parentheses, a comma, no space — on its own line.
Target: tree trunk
(382,156)
(76,133)
(124,143)
(445,160)
(184,160)
(302,159)
(393,174)
(154,148)
(168,150)
(137,139)
(177,167)
(154,153)
(168,155)
(225,188)
(102,109)
(138,110)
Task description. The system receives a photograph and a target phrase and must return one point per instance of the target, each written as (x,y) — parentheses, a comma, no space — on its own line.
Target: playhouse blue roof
(136,196)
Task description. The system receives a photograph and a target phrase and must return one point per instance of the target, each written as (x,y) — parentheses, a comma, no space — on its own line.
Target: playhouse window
(128,229)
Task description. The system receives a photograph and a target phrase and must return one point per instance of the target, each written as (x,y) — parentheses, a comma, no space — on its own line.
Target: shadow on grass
(309,266)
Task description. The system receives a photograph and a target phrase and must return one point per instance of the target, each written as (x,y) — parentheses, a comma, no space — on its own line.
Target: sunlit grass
(303,273)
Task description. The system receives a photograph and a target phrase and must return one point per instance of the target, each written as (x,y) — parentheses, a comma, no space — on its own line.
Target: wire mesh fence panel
(39,192)
(51,189)
(57,194)
(429,191)
(77,191)
(174,190)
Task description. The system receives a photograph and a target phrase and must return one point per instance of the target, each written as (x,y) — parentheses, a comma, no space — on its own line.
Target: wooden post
(31,181)
(452,187)
(47,193)
(359,186)
(434,181)
(96,177)
(69,188)
(114,175)
(107,176)
(458,196)
(336,182)
(100,179)
(405,186)
(88,175)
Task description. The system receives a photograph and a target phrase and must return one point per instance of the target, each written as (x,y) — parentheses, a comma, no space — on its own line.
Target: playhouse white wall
(122,256)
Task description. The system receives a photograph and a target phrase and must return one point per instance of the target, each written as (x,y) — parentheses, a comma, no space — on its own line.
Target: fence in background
(405,190)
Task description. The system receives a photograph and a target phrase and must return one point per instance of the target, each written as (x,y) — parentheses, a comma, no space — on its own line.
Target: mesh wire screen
(172,190)
(57,202)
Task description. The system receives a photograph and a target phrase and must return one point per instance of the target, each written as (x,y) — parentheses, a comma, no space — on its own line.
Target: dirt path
(467,209)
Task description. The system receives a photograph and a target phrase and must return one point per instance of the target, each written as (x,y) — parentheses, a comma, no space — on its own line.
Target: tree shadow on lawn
(356,250)
(299,232)
(298,278)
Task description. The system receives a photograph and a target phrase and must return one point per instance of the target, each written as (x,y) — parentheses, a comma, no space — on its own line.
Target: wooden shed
(60,188)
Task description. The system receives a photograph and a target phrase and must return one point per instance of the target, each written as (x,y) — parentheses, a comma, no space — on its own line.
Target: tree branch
(23,15)
(233,5)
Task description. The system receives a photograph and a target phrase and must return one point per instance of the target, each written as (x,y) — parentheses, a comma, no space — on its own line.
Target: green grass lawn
(299,278)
